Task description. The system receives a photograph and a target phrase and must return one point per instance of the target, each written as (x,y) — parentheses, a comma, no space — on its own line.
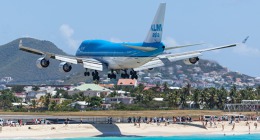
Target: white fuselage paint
(118,63)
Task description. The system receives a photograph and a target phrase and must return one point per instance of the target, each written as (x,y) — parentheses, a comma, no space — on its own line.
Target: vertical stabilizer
(156,29)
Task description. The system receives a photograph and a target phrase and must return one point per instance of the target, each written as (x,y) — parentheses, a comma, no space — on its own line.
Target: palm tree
(195,97)
(47,100)
(203,97)
(186,91)
(233,94)
(212,98)
(148,96)
(173,98)
(221,97)
(34,104)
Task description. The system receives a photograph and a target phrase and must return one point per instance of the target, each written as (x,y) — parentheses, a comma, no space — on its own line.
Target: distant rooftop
(127,82)
(93,87)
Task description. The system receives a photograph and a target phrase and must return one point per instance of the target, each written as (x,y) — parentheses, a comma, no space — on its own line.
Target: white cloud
(67,32)
(170,42)
(245,50)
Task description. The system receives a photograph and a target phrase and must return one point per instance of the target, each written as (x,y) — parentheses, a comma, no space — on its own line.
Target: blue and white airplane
(124,58)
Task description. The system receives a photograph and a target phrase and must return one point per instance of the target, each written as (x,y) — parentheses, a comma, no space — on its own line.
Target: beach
(124,129)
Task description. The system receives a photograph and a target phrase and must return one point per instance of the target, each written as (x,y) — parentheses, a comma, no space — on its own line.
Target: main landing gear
(111,75)
(133,74)
(124,74)
(94,75)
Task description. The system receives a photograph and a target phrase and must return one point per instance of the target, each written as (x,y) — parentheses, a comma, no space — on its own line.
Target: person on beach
(81,121)
(233,128)
(248,128)
(223,125)
(255,124)
(134,120)
(66,121)
(139,121)
(247,123)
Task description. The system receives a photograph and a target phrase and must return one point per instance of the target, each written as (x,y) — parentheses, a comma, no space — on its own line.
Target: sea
(190,137)
(204,137)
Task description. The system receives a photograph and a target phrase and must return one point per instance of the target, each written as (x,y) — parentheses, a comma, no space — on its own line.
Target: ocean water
(204,137)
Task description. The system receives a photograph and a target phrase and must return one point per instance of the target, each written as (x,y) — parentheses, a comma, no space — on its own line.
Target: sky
(67,23)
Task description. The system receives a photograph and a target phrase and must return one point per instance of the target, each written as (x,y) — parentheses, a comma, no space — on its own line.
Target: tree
(147,96)
(7,98)
(34,104)
(186,91)
(221,97)
(35,88)
(79,97)
(52,106)
(195,97)
(95,101)
(233,94)
(173,98)
(18,88)
(47,100)
(203,97)
(212,97)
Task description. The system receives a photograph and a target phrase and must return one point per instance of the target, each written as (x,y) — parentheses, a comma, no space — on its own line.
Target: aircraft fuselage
(120,55)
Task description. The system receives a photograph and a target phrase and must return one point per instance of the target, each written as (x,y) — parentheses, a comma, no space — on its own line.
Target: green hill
(21,66)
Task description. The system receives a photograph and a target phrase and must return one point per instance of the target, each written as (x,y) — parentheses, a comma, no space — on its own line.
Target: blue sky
(66,23)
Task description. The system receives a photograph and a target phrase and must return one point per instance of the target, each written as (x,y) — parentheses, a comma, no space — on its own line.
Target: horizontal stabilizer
(182,46)
(140,48)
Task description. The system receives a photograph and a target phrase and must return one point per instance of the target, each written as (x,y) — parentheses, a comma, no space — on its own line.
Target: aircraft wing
(185,55)
(155,62)
(158,61)
(88,63)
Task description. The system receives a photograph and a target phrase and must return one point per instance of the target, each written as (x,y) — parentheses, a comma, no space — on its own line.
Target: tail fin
(155,32)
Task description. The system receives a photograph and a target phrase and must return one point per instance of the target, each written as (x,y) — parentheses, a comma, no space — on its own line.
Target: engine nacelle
(65,67)
(191,61)
(42,63)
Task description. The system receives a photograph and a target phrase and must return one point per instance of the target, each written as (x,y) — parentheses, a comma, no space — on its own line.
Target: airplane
(123,58)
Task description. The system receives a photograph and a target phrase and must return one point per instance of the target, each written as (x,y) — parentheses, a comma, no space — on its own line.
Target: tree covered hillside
(21,66)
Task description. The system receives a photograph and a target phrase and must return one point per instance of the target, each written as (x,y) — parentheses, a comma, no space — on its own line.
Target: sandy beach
(123,129)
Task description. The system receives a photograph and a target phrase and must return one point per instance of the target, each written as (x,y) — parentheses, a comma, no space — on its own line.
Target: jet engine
(191,61)
(65,67)
(42,63)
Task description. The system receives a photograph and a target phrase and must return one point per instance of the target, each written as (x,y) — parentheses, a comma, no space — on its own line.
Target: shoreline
(121,130)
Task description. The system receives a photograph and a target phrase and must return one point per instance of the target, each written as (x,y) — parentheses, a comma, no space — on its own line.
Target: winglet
(244,41)
(20,43)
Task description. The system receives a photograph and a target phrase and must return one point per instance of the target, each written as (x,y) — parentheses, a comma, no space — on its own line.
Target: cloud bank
(67,32)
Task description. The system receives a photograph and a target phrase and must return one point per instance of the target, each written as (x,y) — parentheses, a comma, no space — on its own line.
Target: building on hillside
(90,90)
(3,87)
(21,95)
(108,86)
(127,82)
(18,105)
(34,95)
(117,100)
(81,105)
(58,100)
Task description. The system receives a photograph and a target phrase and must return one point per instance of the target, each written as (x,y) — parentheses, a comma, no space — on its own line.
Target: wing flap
(181,57)
(90,65)
(156,62)
(66,59)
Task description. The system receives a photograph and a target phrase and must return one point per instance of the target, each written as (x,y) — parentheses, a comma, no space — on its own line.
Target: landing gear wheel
(86,74)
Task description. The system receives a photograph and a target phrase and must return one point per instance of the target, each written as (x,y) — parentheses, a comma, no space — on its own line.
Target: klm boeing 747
(122,58)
